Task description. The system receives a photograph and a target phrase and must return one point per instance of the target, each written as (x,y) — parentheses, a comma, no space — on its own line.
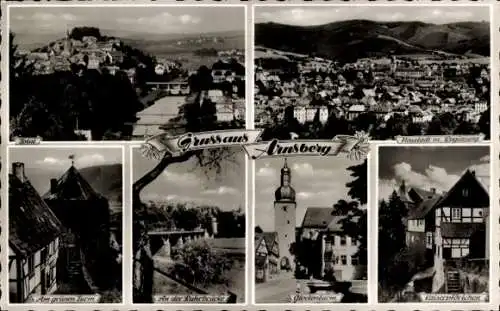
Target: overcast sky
(41,164)
(156,20)
(186,182)
(430,167)
(318,182)
(318,15)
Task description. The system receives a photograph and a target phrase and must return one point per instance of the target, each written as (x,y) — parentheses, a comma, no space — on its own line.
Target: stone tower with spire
(284,217)
(67,46)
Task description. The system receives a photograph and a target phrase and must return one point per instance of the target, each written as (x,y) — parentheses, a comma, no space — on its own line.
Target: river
(152,118)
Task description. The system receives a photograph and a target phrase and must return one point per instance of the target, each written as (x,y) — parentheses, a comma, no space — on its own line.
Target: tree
(355,224)
(392,235)
(484,123)
(359,185)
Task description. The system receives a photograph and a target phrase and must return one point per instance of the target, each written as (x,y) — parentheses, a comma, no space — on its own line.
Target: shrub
(198,263)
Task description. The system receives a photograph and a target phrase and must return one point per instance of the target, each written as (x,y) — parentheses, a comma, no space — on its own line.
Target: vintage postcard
(434,224)
(310,230)
(65,225)
(77,74)
(250,155)
(386,70)
(189,234)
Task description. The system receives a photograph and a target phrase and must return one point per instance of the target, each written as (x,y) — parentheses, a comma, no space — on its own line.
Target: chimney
(53,185)
(18,171)
(433,190)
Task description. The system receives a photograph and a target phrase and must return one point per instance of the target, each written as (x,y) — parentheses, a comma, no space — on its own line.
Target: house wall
(416,225)
(32,283)
(343,272)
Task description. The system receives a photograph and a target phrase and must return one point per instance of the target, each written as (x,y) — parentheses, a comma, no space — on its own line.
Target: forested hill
(353,39)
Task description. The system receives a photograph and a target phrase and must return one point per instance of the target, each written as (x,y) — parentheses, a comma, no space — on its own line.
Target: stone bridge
(171,88)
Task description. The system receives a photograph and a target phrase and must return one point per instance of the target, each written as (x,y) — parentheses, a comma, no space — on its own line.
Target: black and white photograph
(385,70)
(65,225)
(93,73)
(189,237)
(310,230)
(434,224)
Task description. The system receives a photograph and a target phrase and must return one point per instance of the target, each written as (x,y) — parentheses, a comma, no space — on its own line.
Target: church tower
(284,217)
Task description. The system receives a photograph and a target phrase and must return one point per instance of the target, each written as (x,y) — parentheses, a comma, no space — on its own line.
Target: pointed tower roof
(285,192)
(72,186)
(403,192)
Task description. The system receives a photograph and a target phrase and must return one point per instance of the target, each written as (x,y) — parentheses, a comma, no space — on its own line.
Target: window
(337,260)
(343,240)
(288,222)
(456,214)
(429,240)
(465,192)
(285,208)
(44,256)
(343,258)
(466,215)
(354,260)
(31,265)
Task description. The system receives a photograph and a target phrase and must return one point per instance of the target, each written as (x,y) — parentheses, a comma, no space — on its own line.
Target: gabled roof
(271,239)
(318,217)
(424,207)
(418,194)
(72,186)
(480,198)
(32,224)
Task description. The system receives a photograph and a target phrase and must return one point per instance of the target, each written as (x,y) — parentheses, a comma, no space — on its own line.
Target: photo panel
(189,235)
(78,75)
(65,208)
(434,224)
(311,230)
(389,71)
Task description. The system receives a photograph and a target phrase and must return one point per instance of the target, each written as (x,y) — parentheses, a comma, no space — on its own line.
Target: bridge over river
(151,119)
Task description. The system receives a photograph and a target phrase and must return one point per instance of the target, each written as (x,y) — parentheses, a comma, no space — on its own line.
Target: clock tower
(284,217)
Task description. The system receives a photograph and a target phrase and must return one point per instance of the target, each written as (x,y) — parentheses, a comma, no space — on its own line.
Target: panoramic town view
(434,223)
(76,74)
(65,225)
(311,233)
(388,71)
(189,228)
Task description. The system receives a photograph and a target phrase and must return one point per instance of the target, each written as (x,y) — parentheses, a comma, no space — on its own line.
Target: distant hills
(106,180)
(352,39)
(162,45)
(156,44)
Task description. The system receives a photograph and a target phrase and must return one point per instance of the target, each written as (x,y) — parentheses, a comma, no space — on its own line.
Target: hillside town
(387,96)
(154,92)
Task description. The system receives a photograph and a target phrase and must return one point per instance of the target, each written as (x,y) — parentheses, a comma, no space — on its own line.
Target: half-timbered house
(34,233)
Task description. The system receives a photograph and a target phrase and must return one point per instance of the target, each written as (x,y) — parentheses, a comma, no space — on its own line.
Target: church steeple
(285,192)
